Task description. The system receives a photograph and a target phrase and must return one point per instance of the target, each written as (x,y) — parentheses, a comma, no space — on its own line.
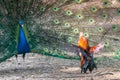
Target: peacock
(52,27)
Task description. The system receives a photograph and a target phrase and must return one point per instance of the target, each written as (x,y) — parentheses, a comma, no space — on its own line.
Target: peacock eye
(42,9)
(25,2)
(68,12)
(75,30)
(100,29)
(56,21)
(80,16)
(67,24)
(106,3)
(118,11)
(93,9)
(91,20)
(117,54)
(69,39)
(118,0)
(86,35)
(114,27)
(46,49)
(31,12)
(104,16)
(106,44)
(55,9)
(78,1)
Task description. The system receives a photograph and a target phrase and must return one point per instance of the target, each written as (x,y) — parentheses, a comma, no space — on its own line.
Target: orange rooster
(86,53)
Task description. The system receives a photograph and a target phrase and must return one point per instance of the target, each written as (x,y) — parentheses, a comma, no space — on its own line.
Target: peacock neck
(23,46)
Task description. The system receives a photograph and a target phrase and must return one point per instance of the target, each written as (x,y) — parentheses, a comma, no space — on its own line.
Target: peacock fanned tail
(52,27)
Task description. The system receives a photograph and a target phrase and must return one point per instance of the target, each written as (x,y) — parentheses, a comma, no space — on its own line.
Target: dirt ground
(39,67)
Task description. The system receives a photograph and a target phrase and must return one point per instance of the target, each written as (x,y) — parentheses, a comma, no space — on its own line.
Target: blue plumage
(23,46)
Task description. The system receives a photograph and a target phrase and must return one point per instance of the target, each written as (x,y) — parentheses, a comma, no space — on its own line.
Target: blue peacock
(23,46)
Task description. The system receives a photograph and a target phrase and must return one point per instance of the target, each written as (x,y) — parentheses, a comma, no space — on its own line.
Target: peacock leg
(23,56)
(16,56)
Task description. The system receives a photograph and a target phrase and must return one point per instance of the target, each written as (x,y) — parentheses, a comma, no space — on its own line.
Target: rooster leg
(82,63)
(81,60)
(84,59)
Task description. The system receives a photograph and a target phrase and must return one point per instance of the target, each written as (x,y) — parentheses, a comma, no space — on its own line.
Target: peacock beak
(22,25)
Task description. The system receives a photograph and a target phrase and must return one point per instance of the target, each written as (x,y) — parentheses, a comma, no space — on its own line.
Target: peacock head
(21,22)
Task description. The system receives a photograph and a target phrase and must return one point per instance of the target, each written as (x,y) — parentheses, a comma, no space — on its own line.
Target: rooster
(86,53)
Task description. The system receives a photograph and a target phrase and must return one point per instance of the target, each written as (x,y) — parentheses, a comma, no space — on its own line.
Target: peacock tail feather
(52,27)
